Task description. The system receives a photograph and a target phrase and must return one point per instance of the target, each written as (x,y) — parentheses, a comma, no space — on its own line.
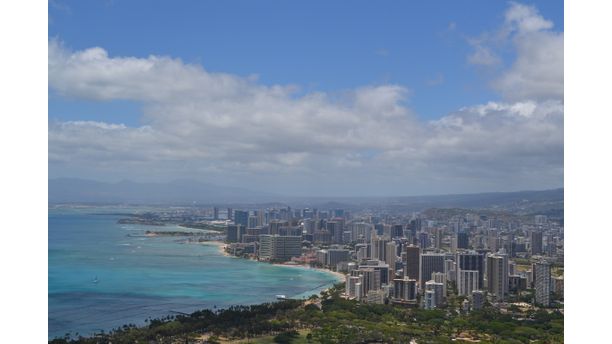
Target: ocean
(103,275)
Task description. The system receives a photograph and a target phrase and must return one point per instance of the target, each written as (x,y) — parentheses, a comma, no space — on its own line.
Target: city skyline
(486,114)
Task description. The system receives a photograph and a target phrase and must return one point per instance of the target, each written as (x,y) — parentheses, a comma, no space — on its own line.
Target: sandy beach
(339,276)
(220,246)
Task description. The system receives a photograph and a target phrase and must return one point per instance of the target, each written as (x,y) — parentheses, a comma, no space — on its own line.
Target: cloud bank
(231,129)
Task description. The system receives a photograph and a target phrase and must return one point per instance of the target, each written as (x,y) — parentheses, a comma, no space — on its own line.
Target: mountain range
(188,192)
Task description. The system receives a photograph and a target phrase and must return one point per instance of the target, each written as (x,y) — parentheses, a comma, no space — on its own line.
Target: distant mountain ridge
(74,190)
(546,202)
(183,192)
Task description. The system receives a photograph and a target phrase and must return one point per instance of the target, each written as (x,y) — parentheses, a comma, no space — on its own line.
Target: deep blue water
(142,277)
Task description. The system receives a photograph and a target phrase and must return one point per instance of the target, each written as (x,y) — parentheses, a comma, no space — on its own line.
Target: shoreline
(339,276)
(220,247)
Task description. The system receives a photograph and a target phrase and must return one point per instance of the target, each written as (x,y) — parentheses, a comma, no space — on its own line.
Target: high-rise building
(478,298)
(412,262)
(556,285)
(322,236)
(241,218)
(253,221)
(404,289)
(322,257)
(276,226)
(516,283)
(371,279)
(335,228)
(309,226)
(450,266)
(362,251)
(423,240)
(397,231)
(438,239)
(215,213)
(335,256)
(380,266)
(234,233)
(463,240)
(379,247)
(260,217)
(430,263)
(542,278)
(391,256)
(429,299)
(353,287)
(497,275)
(472,260)
(376,296)
(440,277)
(276,247)
(361,231)
(290,231)
(379,228)
(536,242)
(467,281)
(438,288)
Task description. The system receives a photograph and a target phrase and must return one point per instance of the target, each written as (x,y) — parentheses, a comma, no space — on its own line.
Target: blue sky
(317,45)
(317,97)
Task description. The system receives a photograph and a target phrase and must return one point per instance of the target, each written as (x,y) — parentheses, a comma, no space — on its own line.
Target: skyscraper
(536,242)
(335,228)
(497,275)
(478,297)
(276,247)
(541,271)
(379,247)
(241,218)
(430,299)
(371,279)
(276,225)
(438,288)
(397,231)
(467,281)
(423,240)
(309,226)
(473,261)
(391,256)
(404,289)
(438,239)
(463,240)
(234,233)
(335,256)
(353,287)
(412,262)
(253,221)
(430,263)
(440,277)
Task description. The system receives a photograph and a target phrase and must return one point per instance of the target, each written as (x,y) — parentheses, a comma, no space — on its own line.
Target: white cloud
(230,129)
(483,55)
(537,72)
(526,19)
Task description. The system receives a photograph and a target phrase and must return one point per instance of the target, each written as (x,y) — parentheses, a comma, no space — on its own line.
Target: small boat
(281,297)
(95,280)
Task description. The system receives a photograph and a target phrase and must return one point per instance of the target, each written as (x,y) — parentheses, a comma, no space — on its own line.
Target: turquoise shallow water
(142,277)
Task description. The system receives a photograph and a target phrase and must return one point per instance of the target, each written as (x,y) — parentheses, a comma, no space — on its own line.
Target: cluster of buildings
(415,260)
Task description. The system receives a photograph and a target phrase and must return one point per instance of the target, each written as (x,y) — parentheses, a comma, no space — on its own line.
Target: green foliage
(345,321)
(286,337)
